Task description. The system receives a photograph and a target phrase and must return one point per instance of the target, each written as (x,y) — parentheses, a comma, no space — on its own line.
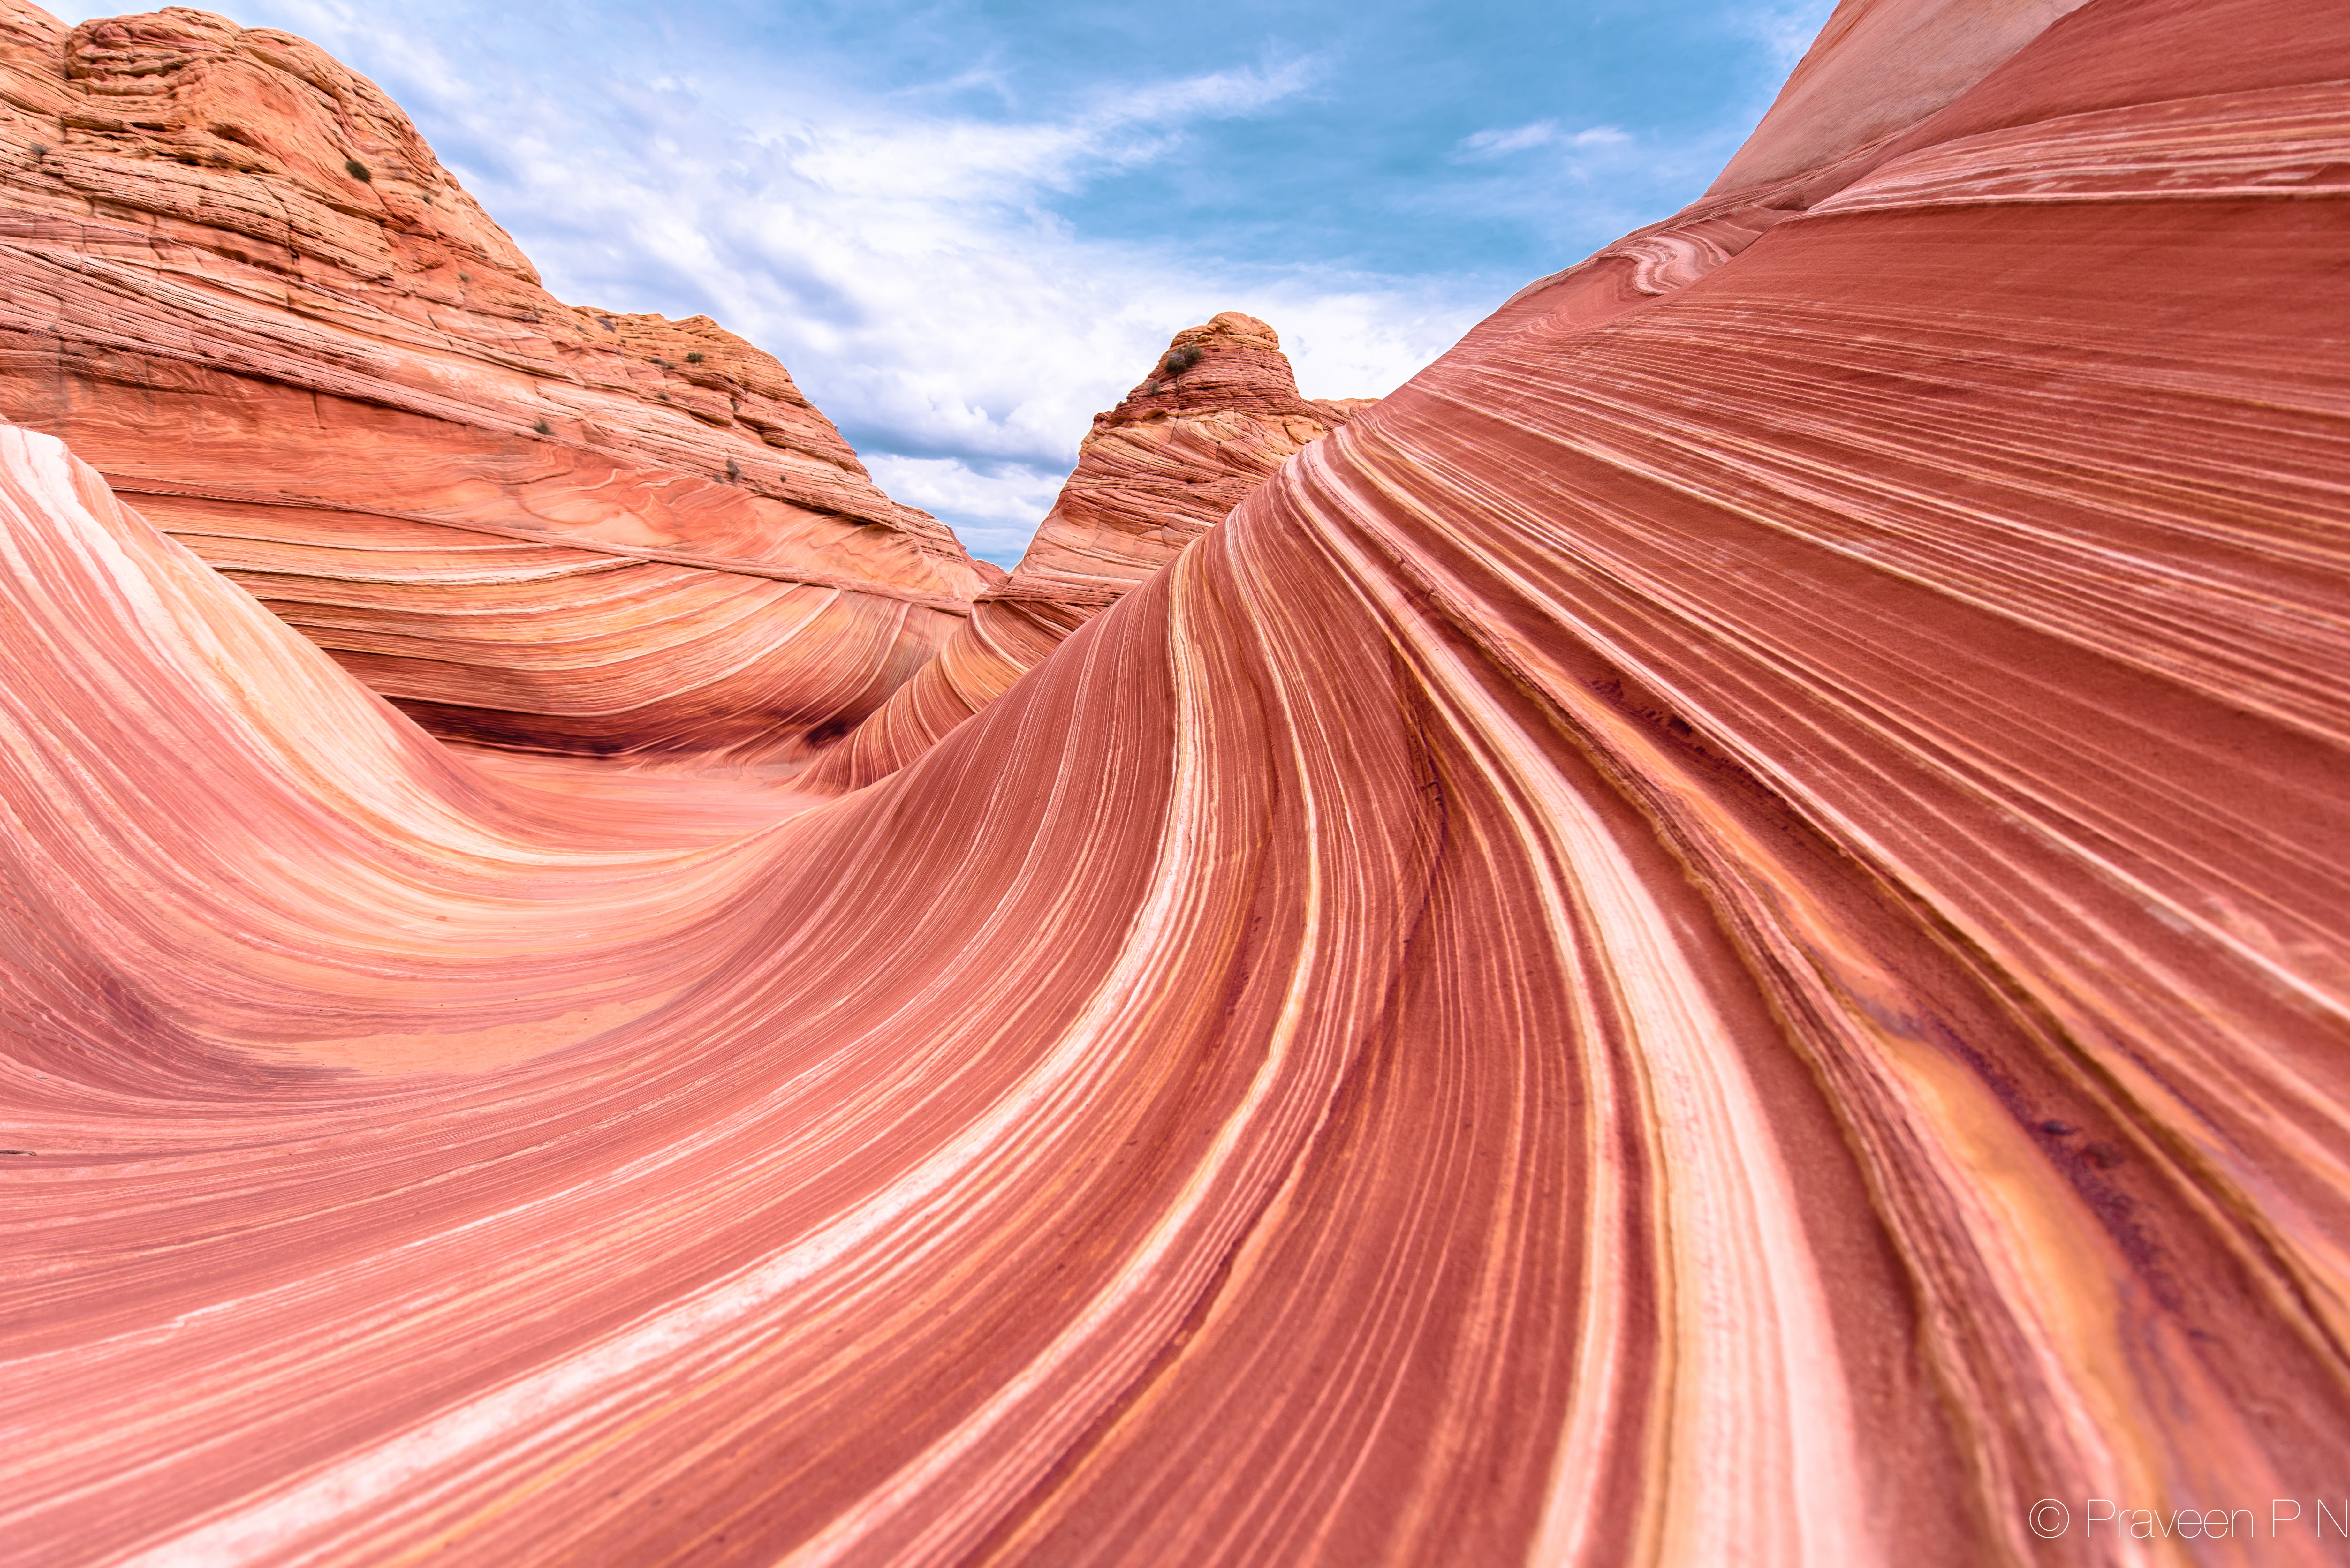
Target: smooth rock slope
(1720,934)
(234,277)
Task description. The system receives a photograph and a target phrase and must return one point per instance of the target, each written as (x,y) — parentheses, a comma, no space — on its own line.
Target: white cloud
(900,257)
(996,508)
(1541,133)
(908,256)
(1496,143)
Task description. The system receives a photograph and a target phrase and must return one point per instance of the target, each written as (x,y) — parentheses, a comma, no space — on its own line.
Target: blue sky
(967,227)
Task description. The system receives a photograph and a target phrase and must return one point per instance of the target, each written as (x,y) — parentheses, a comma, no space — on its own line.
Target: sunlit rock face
(234,277)
(1717,935)
(1219,412)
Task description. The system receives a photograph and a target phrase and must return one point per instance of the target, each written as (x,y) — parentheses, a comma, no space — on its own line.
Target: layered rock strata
(236,279)
(1219,412)
(1719,935)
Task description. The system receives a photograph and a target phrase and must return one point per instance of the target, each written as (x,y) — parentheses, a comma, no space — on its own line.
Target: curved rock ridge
(1877,68)
(1219,412)
(238,281)
(1720,934)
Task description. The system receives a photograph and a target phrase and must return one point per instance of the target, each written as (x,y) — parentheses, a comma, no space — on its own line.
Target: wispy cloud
(966,231)
(967,164)
(996,505)
(1498,143)
(902,258)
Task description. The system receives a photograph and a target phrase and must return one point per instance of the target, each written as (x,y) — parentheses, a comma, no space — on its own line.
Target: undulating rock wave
(234,277)
(1219,412)
(1719,934)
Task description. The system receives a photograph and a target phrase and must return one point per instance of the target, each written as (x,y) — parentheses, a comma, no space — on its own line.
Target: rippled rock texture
(1219,412)
(1718,935)
(238,282)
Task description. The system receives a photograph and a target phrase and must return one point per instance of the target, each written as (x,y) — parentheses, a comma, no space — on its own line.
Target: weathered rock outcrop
(1219,412)
(1719,935)
(236,279)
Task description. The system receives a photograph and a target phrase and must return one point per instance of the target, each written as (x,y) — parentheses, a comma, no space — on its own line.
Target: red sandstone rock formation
(1719,935)
(1219,412)
(234,277)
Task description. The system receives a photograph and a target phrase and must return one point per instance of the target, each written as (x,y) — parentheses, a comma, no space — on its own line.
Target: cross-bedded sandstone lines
(1717,935)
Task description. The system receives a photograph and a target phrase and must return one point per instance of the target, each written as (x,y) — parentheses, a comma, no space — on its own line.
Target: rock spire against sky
(962,224)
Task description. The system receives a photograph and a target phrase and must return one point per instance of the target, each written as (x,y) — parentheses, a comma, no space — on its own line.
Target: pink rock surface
(1218,414)
(1721,934)
(234,277)
(1877,69)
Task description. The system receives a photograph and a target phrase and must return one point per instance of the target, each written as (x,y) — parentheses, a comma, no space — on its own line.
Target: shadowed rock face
(1213,420)
(240,284)
(1720,934)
